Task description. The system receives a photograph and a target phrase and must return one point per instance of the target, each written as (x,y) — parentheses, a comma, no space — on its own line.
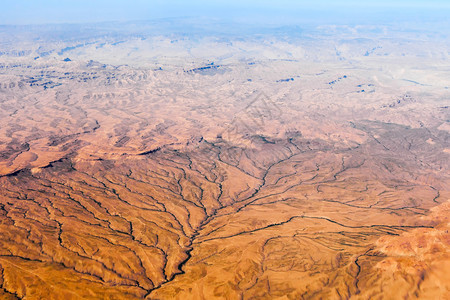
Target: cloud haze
(80,11)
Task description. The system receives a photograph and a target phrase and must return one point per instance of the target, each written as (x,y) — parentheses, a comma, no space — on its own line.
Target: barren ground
(269,167)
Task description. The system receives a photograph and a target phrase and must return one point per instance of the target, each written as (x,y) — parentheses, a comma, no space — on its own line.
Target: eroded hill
(260,175)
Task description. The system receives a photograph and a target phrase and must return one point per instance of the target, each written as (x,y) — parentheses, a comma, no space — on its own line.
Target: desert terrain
(141,162)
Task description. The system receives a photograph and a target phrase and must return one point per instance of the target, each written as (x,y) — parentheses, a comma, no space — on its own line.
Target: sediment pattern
(263,179)
(172,224)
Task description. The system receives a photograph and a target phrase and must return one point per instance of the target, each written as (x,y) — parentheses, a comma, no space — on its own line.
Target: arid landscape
(141,162)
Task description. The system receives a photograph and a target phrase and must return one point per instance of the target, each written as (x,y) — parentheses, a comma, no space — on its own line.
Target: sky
(21,12)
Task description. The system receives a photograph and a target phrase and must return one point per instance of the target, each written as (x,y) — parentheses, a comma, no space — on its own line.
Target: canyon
(292,165)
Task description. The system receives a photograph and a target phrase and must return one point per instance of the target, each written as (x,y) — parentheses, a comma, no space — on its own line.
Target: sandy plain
(269,166)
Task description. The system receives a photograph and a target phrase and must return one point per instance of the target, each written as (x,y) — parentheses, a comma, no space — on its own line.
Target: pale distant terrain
(173,160)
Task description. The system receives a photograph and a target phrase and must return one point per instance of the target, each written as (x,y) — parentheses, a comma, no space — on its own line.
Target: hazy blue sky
(78,11)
